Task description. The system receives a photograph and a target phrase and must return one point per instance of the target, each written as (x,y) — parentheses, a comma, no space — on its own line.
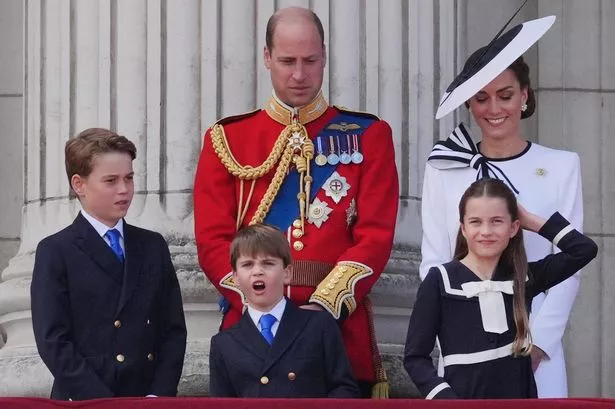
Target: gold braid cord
(293,145)
(274,187)
(220,144)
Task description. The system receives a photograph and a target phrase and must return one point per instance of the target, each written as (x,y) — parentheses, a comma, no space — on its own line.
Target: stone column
(577,112)
(11,120)
(161,72)
(132,66)
(573,72)
(45,189)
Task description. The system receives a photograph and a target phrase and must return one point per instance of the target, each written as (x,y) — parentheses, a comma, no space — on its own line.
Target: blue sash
(285,207)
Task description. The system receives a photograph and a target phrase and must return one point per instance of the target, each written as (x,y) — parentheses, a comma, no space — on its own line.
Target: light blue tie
(267,322)
(114,238)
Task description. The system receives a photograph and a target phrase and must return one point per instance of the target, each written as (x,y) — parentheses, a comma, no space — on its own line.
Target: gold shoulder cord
(293,144)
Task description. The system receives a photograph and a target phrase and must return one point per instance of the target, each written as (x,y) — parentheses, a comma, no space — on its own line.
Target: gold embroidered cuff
(228,282)
(336,291)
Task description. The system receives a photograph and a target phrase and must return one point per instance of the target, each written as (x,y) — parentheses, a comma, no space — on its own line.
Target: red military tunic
(339,255)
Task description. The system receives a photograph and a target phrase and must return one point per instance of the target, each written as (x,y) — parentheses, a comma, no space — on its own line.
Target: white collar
(277,311)
(100,227)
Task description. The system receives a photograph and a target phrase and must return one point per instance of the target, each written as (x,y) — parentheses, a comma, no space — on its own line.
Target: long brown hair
(513,259)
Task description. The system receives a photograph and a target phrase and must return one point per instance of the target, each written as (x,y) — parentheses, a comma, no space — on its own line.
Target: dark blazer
(307,359)
(104,328)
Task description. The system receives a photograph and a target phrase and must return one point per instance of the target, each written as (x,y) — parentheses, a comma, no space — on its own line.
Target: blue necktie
(267,322)
(114,238)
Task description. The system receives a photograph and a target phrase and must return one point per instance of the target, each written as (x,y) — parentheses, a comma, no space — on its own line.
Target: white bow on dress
(491,301)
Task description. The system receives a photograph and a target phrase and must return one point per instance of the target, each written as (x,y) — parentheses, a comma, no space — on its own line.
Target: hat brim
(530,32)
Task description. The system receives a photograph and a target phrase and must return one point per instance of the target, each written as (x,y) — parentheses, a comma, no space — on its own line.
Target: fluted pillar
(571,68)
(161,72)
(132,66)
(577,102)
(47,126)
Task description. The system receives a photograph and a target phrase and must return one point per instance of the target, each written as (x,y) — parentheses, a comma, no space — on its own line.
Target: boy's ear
(288,274)
(78,184)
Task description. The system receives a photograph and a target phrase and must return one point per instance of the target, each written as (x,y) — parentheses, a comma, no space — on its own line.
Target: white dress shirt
(276,311)
(102,229)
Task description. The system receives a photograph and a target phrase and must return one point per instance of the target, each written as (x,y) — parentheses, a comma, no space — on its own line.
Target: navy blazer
(106,328)
(306,360)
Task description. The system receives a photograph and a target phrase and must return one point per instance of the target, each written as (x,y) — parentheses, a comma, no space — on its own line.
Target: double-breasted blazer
(106,328)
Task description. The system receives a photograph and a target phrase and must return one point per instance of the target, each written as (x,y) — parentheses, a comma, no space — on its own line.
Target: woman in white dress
(545,181)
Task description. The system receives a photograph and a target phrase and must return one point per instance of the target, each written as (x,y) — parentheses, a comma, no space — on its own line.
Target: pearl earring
(524,107)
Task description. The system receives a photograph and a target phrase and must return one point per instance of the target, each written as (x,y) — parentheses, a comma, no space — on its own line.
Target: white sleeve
(435,246)
(549,324)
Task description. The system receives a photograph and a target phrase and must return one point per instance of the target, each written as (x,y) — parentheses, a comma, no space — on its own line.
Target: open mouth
(258,285)
(496,121)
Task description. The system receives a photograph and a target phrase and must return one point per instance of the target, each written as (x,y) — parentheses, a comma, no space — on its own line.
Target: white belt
(477,357)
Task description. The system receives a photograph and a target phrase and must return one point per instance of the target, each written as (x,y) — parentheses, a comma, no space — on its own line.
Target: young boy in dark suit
(276,350)
(106,305)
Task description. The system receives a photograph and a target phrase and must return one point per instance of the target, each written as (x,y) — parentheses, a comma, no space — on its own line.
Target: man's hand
(313,307)
(537,355)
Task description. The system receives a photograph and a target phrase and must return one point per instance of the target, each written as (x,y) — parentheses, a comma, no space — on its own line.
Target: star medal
(319,212)
(344,156)
(356,157)
(336,187)
(296,140)
(321,159)
(332,159)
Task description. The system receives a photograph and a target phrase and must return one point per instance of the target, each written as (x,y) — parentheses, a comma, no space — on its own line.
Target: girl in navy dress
(478,304)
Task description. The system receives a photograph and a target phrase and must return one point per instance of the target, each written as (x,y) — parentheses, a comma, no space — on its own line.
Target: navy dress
(478,363)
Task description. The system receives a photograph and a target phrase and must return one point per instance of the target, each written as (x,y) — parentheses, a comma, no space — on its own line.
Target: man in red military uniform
(323,175)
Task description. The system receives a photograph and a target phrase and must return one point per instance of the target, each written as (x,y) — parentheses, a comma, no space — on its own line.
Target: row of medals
(334,158)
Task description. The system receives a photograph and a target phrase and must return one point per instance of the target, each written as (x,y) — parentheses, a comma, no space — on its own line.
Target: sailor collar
(490,293)
(460,151)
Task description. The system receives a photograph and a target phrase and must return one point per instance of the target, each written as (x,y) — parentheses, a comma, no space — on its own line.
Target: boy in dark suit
(106,305)
(276,350)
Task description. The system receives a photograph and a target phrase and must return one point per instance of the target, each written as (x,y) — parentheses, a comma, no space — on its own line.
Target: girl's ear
(514,228)
(463,230)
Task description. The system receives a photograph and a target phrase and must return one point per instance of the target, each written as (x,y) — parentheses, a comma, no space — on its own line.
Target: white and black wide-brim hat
(485,64)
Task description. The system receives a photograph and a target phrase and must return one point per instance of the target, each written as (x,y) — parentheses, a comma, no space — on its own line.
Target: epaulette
(234,118)
(356,113)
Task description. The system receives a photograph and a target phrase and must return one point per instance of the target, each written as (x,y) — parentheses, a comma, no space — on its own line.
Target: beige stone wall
(11,124)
